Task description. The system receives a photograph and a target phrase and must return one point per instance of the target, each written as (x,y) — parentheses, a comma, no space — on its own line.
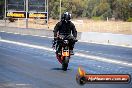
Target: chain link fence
(119,27)
(82,25)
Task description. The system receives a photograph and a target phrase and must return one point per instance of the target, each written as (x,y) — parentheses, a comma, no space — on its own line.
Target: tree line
(91,9)
(98,9)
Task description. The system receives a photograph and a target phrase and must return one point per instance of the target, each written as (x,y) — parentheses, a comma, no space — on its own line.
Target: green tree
(120,9)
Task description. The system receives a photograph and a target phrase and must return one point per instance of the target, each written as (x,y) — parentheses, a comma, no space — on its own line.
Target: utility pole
(47,12)
(26,13)
(60,9)
(5,11)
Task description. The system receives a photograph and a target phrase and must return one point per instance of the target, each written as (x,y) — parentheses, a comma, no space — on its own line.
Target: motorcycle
(64,55)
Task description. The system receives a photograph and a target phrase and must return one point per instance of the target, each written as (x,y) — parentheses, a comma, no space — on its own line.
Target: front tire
(64,67)
(65,63)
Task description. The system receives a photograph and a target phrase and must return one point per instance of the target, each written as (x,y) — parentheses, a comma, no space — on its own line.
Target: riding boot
(58,50)
(71,50)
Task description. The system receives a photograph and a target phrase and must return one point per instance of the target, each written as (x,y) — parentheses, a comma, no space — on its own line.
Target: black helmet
(66,16)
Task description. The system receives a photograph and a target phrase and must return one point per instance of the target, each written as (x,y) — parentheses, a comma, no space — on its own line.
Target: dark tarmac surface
(25,67)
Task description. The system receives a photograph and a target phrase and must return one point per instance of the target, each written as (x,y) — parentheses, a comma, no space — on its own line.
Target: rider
(67,28)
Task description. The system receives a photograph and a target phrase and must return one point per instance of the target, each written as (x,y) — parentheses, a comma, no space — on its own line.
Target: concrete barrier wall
(117,39)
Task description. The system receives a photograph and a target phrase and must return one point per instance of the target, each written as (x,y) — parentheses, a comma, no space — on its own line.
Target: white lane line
(27,45)
(23,84)
(108,60)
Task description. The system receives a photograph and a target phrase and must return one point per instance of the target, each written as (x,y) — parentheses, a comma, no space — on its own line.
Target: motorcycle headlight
(66,41)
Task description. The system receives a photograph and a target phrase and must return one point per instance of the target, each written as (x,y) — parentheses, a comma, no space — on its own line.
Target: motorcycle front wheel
(65,63)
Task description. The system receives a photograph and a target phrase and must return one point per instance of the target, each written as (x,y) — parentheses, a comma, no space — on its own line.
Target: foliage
(118,9)
(129,20)
(96,18)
